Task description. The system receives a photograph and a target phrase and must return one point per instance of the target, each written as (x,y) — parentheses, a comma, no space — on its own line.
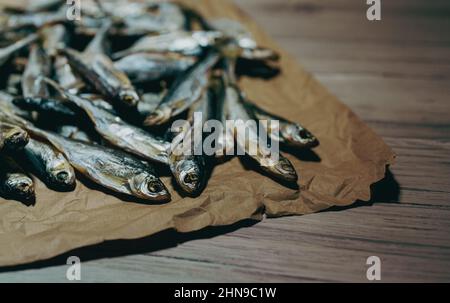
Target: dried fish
(7,102)
(99,71)
(110,168)
(288,133)
(225,141)
(56,37)
(38,66)
(7,52)
(159,18)
(35,6)
(186,43)
(149,102)
(186,159)
(53,37)
(35,20)
(145,67)
(233,29)
(66,76)
(279,166)
(186,90)
(244,39)
(43,5)
(14,182)
(44,105)
(119,133)
(138,18)
(50,165)
(12,137)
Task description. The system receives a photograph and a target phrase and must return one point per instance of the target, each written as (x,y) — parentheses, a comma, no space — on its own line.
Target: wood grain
(394,75)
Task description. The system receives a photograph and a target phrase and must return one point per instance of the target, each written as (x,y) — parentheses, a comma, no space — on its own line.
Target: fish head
(189,175)
(148,187)
(19,186)
(63,177)
(299,136)
(158,116)
(128,97)
(285,170)
(16,138)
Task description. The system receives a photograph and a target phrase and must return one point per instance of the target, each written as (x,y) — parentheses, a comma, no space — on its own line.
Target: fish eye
(16,136)
(284,165)
(24,187)
(128,97)
(191,178)
(62,176)
(303,133)
(155,187)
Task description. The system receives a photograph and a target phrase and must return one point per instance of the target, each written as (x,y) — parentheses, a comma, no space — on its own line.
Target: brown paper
(352,157)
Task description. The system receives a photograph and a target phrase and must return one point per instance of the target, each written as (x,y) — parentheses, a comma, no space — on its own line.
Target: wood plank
(398,100)
(299,20)
(427,62)
(430,8)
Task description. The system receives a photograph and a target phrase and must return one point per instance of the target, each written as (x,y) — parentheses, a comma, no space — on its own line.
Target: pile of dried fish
(97,97)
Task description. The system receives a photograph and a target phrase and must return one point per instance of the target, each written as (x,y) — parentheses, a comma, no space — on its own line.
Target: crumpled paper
(340,171)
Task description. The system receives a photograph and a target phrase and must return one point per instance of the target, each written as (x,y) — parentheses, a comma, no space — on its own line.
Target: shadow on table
(118,248)
(386,191)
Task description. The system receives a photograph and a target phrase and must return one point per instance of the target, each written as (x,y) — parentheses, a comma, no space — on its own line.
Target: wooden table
(395,75)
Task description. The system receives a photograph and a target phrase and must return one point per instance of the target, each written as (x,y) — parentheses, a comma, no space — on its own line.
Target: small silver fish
(288,133)
(137,18)
(45,105)
(119,133)
(188,166)
(186,43)
(237,31)
(54,36)
(12,137)
(66,76)
(35,6)
(50,165)
(98,70)
(159,18)
(112,169)
(225,141)
(243,38)
(188,89)
(7,52)
(149,102)
(38,66)
(280,168)
(143,67)
(14,182)
(36,20)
